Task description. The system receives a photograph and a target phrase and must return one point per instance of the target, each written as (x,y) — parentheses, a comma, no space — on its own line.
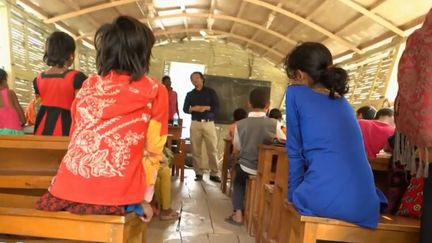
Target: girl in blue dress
(329,173)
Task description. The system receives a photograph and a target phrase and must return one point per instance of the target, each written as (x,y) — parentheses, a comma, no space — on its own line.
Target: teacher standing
(202,103)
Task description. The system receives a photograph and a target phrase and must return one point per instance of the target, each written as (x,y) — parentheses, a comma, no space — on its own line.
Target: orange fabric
(30,112)
(113,122)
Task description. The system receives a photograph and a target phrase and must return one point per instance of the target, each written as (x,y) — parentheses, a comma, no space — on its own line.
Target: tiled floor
(203,209)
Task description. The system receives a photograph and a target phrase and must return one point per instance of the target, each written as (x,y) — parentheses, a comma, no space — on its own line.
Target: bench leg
(309,233)
(135,232)
(138,238)
(182,173)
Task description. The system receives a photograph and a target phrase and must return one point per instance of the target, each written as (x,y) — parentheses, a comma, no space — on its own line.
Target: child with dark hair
(11,114)
(256,129)
(329,173)
(57,86)
(376,132)
(118,132)
(238,115)
(277,114)
(385,115)
(366,113)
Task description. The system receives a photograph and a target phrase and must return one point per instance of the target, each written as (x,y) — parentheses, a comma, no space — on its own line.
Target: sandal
(230,220)
(173,215)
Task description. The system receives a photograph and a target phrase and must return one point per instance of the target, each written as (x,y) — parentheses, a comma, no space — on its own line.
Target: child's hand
(148,212)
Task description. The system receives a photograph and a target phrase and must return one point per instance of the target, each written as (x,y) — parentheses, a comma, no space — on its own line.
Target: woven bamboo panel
(369,77)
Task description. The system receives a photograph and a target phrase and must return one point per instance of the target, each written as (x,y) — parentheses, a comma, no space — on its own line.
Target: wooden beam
(186,23)
(230,35)
(306,22)
(117,9)
(87,10)
(225,17)
(377,19)
(151,8)
(212,6)
(218,16)
(253,37)
(29,4)
(309,17)
(239,12)
(272,14)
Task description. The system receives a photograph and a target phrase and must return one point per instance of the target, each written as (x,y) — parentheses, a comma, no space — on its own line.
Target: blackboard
(233,93)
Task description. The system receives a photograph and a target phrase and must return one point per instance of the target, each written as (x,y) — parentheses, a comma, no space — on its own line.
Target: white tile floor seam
(203,211)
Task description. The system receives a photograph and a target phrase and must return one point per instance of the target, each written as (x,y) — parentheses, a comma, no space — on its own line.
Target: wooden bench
(380,167)
(177,146)
(226,164)
(249,204)
(296,228)
(274,198)
(27,165)
(267,163)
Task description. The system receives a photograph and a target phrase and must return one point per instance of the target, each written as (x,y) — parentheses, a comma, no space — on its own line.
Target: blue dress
(329,174)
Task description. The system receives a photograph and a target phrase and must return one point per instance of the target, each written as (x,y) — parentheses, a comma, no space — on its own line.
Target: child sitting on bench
(329,173)
(116,116)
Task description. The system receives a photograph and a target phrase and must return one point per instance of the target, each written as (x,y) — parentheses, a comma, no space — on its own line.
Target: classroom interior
(225,39)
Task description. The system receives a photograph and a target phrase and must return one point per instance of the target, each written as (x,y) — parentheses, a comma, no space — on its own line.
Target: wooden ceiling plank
(161,25)
(370,14)
(231,35)
(309,17)
(80,12)
(119,12)
(218,16)
(307,23)
(253,37)
(46,16)
(186,23)
(239,13)
(267,24)
(212,6)
(210,21)
(76,7)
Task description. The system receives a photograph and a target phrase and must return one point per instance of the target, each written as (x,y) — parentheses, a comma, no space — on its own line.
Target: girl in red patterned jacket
(116,115)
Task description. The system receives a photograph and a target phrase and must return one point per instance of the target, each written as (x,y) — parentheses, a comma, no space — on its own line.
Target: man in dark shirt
(202,102)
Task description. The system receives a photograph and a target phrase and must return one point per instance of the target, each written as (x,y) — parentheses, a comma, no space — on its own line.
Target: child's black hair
(239,114)
(3,76)
(315,59)
(59,47)
(367,112)
(384,112)
(125,46)
(259,98)
(275,113)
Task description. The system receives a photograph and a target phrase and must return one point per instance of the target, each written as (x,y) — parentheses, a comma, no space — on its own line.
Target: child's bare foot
(169,214)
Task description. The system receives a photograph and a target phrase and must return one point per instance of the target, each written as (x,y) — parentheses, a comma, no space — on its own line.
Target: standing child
(172,100)
(11,114)
(119,129)
(329,173)
(57,86)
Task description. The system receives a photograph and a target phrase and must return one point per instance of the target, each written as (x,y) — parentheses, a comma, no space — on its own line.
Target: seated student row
(329,173)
